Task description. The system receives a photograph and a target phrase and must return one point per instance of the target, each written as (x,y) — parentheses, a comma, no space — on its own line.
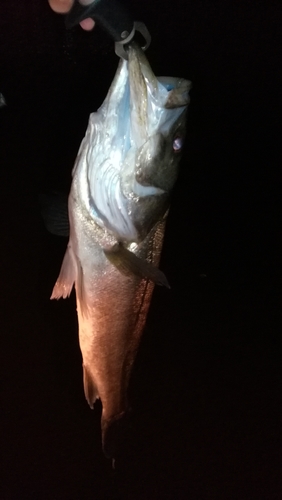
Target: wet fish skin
(122,178)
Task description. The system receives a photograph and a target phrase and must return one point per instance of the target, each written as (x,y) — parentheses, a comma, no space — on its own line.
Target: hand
(63,6)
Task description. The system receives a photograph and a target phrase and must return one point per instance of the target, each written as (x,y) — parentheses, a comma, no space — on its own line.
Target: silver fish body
(124,172)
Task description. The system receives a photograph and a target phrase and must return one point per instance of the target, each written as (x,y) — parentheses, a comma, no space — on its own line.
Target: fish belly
(109,335)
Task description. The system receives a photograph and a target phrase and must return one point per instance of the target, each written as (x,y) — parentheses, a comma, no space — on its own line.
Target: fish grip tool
(114,19)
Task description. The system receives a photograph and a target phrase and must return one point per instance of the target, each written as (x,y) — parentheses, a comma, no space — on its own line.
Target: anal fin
(90,389)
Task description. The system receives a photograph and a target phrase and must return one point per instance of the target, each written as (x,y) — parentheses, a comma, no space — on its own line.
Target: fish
(126,167)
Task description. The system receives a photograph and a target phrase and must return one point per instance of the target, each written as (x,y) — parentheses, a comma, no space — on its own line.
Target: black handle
(109,14)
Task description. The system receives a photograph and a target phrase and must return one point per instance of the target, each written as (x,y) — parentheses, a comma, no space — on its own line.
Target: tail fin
(114,433)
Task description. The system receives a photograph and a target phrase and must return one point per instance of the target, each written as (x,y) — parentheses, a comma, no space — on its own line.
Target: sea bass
(125,169)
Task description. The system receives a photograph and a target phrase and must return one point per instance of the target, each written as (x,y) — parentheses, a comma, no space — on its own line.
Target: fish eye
(177,144)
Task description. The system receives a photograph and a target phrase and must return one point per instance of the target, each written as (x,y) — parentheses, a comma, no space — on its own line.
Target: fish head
(139,138)
(157,123)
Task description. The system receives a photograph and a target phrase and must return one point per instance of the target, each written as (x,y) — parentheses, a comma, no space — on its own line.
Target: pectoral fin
(67,276)
(128,263)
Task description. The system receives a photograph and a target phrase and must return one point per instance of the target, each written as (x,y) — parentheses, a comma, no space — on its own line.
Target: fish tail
(114,433)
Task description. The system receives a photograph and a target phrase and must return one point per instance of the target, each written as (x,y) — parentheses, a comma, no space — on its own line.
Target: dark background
(206,388)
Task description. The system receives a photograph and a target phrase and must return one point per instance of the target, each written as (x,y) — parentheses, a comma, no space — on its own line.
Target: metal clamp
(114,19)
(141,28)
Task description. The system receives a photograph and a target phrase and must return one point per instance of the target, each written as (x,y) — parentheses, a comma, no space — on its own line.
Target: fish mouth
(143,85)
(139,104)
(155,102)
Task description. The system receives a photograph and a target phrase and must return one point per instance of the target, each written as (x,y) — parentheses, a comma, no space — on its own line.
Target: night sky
(206,387)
